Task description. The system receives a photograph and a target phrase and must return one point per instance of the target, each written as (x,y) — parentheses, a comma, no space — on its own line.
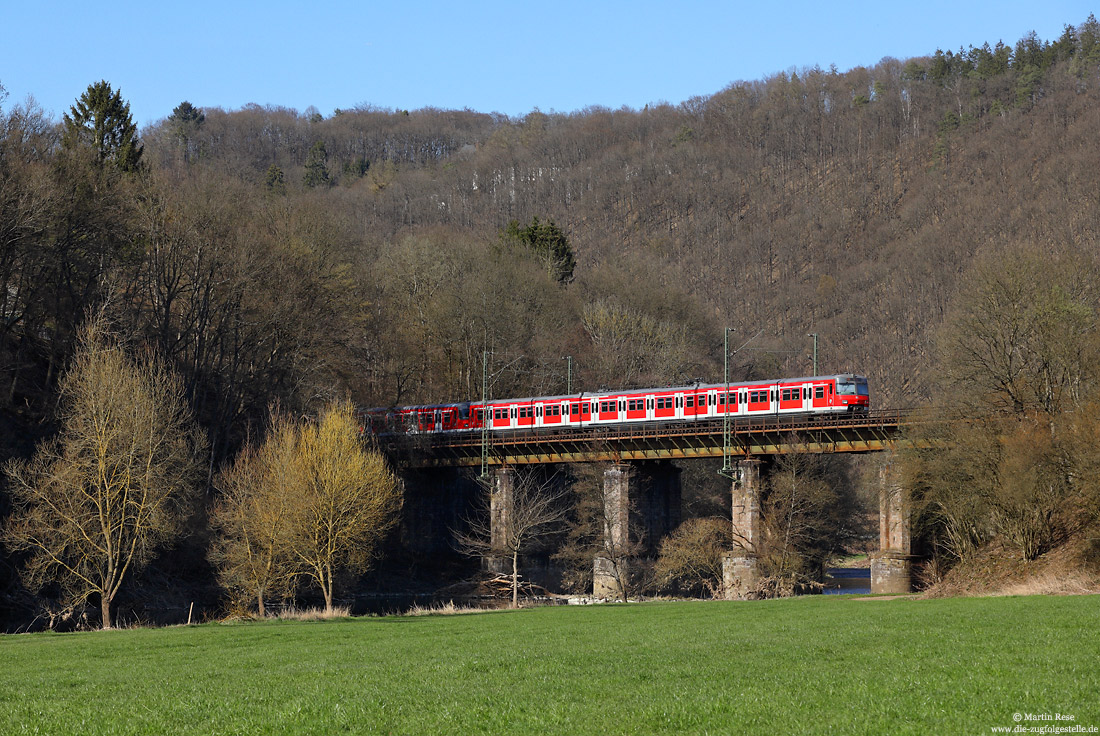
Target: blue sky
(508,57)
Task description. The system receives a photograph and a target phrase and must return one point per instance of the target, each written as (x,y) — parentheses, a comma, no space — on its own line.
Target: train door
(513,416)
(678,400)
(622,410)
(807,397)
(538,415)
(649,406)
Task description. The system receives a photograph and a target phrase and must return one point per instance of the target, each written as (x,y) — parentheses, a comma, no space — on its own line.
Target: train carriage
(839,393)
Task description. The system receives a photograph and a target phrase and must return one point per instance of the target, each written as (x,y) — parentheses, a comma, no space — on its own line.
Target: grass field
(810,665)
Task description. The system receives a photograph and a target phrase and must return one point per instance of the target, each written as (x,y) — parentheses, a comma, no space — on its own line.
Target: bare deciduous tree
(692,555)
(536,510)
(343,499)
(252,516)
(95,503)
(1021,348)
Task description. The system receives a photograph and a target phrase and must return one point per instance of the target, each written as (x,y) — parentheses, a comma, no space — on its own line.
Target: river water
(847,580)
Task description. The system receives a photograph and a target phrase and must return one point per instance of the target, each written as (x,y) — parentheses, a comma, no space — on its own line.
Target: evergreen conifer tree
(101,119)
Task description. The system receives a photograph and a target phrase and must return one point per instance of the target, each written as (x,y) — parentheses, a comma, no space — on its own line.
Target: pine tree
(317,166)
(101,120)
(547,241)
(185,120)
(274,181)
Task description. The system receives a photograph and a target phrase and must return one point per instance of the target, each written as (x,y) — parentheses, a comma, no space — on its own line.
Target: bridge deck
(871,432)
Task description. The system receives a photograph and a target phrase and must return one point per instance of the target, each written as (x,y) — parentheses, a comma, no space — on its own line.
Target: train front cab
(852,393)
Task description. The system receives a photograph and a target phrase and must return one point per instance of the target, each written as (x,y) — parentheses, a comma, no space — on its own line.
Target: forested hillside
(271,256)
(845,204)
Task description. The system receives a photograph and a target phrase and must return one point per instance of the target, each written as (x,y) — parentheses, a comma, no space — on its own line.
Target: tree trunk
(326,588)
(515,579)
(105,610)
(260,603)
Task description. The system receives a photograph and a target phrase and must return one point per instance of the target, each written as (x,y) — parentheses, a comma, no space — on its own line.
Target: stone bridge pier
(740,577)
(891,567)
(641,505)
(502,486)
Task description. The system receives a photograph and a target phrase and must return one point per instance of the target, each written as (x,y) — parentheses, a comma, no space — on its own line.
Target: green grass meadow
(809,665)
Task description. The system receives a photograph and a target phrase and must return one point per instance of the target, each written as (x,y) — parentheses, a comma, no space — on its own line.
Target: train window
(690,402)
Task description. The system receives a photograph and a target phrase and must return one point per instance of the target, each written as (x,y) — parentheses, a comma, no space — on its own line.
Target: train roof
(854,377)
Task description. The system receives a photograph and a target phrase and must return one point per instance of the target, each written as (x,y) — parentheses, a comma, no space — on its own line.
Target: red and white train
(842,393)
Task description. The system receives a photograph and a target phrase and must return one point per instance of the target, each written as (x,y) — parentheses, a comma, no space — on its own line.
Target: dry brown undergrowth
(1071,569)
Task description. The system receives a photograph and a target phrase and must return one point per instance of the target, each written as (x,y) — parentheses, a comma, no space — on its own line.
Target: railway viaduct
(641,478)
